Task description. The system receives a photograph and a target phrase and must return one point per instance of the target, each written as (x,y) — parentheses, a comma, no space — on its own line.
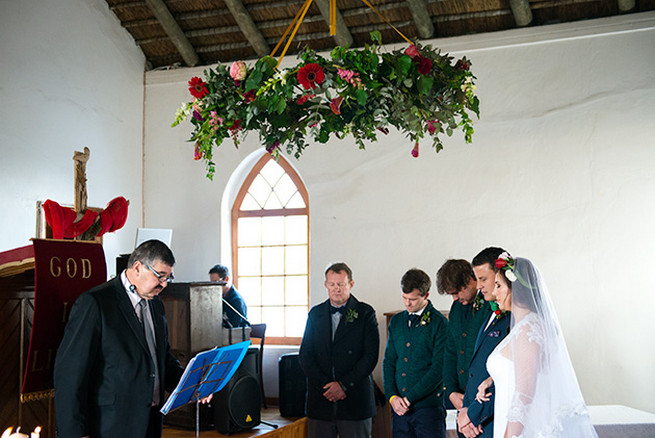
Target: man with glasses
(114,361)
(338,353)
(231,296)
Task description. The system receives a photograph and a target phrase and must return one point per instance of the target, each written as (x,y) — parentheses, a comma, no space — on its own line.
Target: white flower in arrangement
(510,275)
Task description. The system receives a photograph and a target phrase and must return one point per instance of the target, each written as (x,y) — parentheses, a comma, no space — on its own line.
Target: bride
(537,393)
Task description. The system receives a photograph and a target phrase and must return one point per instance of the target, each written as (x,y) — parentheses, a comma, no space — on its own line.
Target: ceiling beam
(174,32)
(421,16)
(626,5)
(343,37)
(248,27)
(521,11)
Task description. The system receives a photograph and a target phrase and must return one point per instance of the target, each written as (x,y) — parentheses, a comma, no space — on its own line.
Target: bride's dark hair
(524,294)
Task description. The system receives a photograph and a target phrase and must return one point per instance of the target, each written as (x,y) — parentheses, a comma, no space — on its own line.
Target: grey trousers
(340,428)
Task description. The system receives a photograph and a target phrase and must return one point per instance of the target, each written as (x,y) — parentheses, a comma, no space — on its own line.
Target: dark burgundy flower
(249,96)
(198,87)
(271,147)
(335,105)
(236,125)
(423,65)
(415,150)
(462,64)
(197,116)
(311,76)
(384,130)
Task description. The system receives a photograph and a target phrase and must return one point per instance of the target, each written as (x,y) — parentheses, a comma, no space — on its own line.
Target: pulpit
(194,312)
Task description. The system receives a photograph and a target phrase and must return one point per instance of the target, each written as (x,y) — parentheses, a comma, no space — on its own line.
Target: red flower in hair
(501,263)
(311,76)
(198,87)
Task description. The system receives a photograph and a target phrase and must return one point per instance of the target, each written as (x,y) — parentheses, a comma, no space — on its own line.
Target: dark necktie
(150,339)
(413,318)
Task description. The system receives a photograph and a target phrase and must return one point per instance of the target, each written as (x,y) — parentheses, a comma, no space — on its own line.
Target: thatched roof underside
(203,32)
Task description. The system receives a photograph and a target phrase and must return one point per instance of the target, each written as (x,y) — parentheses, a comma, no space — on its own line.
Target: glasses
(159,276)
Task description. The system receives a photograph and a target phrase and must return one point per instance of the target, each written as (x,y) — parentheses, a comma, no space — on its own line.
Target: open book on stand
(207,373)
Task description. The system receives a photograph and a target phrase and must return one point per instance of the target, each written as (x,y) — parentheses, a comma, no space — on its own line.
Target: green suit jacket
(413,358)
(463,326)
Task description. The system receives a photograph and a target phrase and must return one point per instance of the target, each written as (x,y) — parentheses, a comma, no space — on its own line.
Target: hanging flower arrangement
(362,92)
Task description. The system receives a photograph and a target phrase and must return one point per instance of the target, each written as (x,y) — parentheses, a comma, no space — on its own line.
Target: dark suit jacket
(413,359)
(103,372)
(349,359)
(236,300)
(482,413)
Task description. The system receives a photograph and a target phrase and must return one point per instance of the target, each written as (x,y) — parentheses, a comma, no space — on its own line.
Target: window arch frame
(237,213)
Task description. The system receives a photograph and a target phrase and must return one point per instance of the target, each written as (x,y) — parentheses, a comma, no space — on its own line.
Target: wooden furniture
(16,313)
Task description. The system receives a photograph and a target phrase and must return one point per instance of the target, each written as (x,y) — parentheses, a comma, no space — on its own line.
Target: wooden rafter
(521,11)
(174,32)
(248,27)
(421,16)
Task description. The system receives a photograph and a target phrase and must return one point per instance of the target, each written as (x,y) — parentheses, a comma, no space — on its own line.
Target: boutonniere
(425,318)
(479,302)
(351,315)
(499,313)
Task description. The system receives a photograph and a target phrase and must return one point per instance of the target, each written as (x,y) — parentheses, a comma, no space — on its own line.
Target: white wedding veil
(546,401)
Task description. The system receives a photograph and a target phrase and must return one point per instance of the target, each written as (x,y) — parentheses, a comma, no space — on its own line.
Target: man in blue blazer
(111,370)
(338,353)
(475,419)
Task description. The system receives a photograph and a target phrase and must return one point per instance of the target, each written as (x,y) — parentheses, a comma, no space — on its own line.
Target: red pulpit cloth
(63,271)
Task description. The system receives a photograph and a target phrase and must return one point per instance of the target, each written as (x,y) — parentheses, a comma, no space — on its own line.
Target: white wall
(559,172)
(70,77)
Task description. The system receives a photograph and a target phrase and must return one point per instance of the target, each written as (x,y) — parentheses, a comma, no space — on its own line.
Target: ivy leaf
(404,64)
(425,84)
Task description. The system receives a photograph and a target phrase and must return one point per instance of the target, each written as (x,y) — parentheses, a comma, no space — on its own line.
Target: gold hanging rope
(333,25)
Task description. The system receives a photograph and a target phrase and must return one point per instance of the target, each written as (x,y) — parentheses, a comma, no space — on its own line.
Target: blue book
(207,373)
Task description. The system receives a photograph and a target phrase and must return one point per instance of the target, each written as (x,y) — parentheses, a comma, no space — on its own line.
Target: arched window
(270,248)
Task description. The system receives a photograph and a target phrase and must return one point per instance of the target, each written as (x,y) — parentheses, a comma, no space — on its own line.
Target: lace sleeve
(526,356)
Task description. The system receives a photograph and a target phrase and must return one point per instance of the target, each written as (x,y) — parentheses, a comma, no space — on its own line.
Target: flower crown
(505,262)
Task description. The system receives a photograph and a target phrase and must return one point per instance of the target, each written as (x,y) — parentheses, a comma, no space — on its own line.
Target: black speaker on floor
(293,386)
(238,405)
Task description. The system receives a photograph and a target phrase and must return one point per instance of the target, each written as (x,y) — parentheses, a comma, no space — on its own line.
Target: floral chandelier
(361,92)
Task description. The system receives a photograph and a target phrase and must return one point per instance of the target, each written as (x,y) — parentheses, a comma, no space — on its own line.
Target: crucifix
(80,159)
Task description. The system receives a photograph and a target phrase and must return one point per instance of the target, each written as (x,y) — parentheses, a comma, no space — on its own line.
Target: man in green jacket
(467,314)
(413,362)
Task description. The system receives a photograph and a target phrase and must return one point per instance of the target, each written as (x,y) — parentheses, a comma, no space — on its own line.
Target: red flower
(196,152)
(415,150)
(462,64)
(304,98)
(431,125)
(501,263)
(423,64)
(335,105)
(250,96)
(311,76)
(497,312)
(235,126)
(198,87)
(412,51)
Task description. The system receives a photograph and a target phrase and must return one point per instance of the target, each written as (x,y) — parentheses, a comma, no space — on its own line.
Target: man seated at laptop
(230,296)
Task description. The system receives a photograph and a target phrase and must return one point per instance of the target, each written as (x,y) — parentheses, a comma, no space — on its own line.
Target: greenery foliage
(361,92)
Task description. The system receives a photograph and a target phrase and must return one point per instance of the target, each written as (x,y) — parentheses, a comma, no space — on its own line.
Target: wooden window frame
(238,213)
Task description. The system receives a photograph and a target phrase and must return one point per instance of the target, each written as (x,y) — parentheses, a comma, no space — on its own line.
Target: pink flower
(238,70)
(197,155)
(431,126)
(412,51)
(335,105)
(346,75)
(415,150)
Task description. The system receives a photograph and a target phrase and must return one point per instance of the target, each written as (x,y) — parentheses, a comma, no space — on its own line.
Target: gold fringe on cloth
(35,396)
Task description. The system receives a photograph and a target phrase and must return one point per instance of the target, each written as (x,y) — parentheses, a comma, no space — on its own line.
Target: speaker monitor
(238,405)
(293,386)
